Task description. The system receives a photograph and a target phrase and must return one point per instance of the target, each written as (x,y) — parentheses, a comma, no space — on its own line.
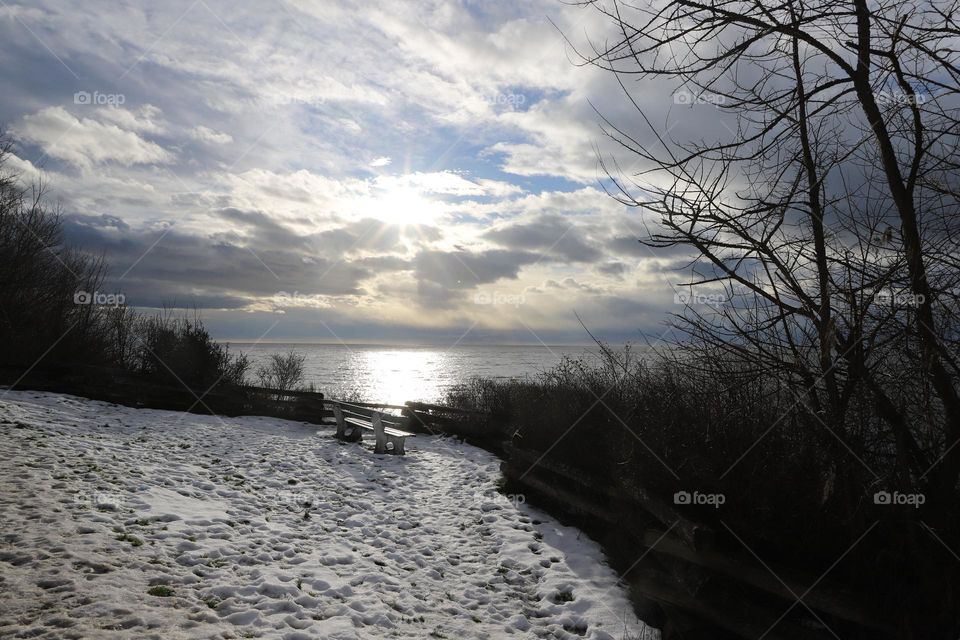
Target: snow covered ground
(121,523)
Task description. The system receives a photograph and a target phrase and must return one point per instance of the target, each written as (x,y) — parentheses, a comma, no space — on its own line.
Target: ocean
(395,374)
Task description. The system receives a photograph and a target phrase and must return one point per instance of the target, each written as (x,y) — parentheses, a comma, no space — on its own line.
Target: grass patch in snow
(133,540)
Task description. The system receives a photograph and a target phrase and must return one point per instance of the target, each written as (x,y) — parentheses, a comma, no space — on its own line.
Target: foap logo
(99,299)
(98,99)
(692,298)
(488,501)
(499,299)
(895,498)
(512,100)
(898,298)
(901,97)
(696,498)
(688,97)
(296,499)
(101,500)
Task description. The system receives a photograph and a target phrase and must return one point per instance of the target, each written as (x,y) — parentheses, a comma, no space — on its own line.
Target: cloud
(615,269)
(146,119)
(499,188)
(571,284)
(554,236)
(86,142)
(438,182)
(256,257)
(431,150)
(466,270)
(205,134)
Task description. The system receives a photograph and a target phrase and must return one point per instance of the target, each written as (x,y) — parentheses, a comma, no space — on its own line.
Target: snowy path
(119,522)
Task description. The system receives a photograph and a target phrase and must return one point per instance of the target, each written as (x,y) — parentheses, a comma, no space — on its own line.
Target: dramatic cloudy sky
(326,170)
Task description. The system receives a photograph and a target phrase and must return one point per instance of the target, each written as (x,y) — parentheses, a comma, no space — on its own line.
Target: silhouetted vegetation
(177,349)
(52,308)
(283,371)
(39,279)
(816,379)
(693,419)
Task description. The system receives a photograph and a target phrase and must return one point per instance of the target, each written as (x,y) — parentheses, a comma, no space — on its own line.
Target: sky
(334,171)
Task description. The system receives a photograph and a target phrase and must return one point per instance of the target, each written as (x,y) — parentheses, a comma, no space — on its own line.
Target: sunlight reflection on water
(397,374)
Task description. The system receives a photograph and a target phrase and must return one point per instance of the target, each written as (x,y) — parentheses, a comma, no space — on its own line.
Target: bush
(284,371)
(177,350)
(692,420)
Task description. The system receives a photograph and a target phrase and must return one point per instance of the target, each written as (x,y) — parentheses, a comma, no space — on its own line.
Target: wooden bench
(353,420)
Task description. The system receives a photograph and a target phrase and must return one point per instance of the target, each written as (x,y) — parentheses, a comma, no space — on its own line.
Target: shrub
(178,350)
(284,371)
(688,420)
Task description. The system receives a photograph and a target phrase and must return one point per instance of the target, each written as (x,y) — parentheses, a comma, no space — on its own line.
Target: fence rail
(293,393)
(431,408)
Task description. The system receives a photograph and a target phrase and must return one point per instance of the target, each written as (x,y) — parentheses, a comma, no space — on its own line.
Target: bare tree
(45,286)
(825,221)
(829,216)
(284,371)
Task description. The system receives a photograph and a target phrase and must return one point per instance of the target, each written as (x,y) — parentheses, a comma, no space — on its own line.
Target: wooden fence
(137,390)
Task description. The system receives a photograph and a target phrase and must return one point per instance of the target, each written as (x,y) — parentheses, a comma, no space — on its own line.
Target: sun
(403,205)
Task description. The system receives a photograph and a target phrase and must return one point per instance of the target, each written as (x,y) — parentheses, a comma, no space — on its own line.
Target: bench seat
(366,424)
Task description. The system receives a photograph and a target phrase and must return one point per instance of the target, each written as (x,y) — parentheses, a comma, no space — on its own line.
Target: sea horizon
(397,373)
(401,343)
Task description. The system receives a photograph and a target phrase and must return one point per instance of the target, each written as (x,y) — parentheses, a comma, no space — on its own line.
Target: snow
(118,522)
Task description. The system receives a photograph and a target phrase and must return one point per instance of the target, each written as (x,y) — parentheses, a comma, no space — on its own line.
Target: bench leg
(341,424)
(398,445)
(378,432)
(346,432)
